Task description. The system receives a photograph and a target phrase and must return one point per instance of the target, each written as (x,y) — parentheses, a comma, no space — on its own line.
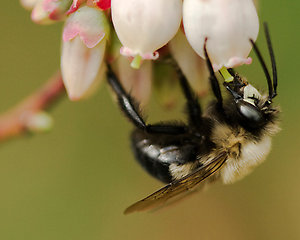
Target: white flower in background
(192,65)
(144,26)
(84,40)
(136,81)
(228,25)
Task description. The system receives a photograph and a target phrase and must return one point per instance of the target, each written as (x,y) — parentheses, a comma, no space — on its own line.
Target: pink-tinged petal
(92,40)
(150,56)
(89,23)
(135,58)
(237,61)
(70,32)
(233,62)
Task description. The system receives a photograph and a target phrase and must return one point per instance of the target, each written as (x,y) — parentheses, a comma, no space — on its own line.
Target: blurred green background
(74,182)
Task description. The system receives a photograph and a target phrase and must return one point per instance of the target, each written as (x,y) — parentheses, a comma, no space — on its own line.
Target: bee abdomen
(148,157)
(159,156)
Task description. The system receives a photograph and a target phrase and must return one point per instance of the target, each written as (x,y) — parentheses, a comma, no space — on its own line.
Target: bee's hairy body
(170,158)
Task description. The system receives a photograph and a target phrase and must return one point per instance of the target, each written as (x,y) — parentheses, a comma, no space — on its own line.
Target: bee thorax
(251,155)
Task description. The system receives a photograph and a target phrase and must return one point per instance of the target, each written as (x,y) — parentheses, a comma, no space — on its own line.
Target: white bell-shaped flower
(227,24)
(143,26)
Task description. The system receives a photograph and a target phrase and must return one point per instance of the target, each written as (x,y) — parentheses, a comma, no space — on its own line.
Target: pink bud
(84,42)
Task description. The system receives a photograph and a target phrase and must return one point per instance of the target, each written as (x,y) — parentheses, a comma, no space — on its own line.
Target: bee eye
(250,112)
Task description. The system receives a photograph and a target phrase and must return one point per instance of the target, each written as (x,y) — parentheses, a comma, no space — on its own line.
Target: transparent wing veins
(179,186)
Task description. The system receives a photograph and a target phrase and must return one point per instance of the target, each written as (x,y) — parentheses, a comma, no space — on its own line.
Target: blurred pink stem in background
(18,119)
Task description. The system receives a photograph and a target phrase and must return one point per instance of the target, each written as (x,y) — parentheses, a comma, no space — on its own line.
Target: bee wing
(179,186)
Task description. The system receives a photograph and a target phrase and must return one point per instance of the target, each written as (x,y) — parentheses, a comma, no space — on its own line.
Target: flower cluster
(127,32)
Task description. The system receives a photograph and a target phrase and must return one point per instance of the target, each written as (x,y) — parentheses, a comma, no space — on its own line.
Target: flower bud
(47,11)
(144,26)
(227,24)
(84,41)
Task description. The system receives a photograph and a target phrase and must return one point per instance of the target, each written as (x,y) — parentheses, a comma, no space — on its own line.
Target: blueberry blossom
(84,41)
(227,24)
(144,26)
(142,29)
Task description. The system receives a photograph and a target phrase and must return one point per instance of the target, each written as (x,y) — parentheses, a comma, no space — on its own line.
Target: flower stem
(15,121)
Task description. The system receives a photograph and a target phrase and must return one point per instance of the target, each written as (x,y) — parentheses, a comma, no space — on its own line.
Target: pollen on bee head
(251,94)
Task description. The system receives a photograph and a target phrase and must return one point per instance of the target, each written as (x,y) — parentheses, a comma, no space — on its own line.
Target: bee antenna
(263,64)
(271,52)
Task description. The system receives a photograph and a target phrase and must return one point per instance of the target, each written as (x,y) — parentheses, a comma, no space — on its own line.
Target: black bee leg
(213,79)
(130,108)
(193,107)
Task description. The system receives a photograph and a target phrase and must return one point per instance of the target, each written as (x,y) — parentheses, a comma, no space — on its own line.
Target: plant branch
(15,121)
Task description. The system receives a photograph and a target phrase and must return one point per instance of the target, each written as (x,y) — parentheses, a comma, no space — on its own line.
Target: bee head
(253,108)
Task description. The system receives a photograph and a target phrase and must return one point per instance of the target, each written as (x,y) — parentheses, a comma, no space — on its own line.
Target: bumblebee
(223,143)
